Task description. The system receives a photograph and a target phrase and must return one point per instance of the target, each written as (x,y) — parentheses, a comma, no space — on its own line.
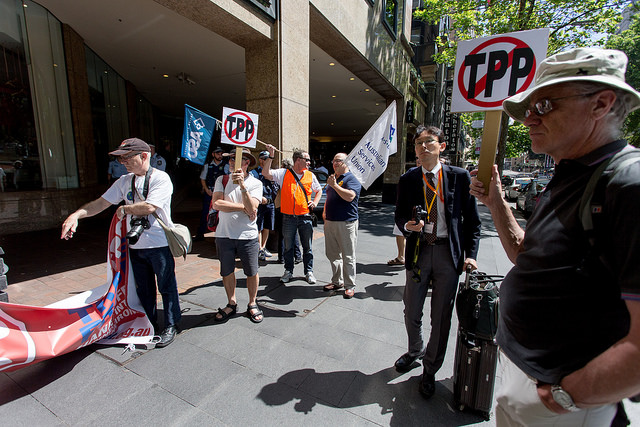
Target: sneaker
(267,253)
(286,277)
(298,260)
(310,278)
(261,256)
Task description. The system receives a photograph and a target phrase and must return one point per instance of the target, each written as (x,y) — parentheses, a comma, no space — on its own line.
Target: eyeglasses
(426,141)
(232,159)
(545,106)
(306,159)
(337,161)
(124,159)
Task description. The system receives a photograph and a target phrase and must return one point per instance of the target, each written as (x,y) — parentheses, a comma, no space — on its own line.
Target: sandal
(348,293)
(257,316)
(224,316)
(331,287)
(395,261)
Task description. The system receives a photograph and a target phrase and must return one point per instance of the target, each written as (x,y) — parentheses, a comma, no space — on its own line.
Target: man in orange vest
(297,186)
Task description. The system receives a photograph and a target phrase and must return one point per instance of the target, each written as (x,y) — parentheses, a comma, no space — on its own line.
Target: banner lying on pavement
(110,314)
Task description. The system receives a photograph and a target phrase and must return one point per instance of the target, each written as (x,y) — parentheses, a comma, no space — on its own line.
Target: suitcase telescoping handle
(467,276)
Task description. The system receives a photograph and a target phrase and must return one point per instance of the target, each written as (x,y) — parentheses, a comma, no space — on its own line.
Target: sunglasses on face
(124,159)
(545,105)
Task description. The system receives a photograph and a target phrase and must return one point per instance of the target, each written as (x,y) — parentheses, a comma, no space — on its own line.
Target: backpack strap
(591,208)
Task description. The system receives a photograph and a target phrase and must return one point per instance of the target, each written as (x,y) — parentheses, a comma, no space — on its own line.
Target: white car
(512,191)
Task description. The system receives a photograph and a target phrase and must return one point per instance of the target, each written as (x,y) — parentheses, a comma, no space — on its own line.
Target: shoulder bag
(477,305)
(314,218)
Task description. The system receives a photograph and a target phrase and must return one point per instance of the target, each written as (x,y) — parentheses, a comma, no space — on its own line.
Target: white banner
(370,157)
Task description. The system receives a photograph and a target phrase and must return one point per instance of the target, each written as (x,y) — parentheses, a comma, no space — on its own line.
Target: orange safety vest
(292,200)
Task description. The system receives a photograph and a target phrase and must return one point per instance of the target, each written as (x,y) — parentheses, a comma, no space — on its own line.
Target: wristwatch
(271,157)
(563,398)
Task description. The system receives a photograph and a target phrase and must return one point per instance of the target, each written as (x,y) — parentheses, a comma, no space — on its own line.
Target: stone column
(278,81)
(80,106)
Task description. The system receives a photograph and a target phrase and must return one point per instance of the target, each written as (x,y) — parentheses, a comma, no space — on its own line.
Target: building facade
(82,75)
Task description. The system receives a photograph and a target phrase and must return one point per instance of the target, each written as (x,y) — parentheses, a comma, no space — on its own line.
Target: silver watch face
(562,398)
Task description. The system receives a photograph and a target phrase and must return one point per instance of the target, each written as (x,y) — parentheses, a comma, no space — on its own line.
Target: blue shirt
(338,209)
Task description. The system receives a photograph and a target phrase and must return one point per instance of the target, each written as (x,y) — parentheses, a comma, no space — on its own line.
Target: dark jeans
(296,246)
(292,225)
(149,264)
(206,202)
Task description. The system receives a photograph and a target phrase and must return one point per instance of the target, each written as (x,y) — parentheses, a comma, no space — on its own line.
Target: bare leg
(264,236)
(252,287)
(229,283)
(400,245)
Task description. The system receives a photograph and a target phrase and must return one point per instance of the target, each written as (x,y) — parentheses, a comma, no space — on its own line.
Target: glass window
(19,153)
(107,92)
(391,15)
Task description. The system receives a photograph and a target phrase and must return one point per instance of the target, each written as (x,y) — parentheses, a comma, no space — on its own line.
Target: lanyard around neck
(436,192)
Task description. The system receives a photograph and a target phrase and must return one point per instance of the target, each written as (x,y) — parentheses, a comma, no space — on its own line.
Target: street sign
(490,69)
(239,128)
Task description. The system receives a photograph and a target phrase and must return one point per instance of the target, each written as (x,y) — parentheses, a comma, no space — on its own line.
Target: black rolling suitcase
(476,352)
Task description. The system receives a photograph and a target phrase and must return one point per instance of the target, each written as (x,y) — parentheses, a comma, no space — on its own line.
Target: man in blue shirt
(340,216)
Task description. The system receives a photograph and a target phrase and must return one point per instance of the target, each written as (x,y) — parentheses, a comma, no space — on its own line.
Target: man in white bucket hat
(569,329)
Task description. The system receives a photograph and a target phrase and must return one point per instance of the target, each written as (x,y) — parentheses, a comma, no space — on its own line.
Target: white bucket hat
(597,65)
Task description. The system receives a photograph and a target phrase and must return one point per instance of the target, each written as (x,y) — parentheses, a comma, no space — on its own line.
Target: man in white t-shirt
(237,233)
(149,251)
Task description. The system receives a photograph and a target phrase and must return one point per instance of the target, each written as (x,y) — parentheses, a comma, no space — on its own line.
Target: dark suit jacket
(461,212)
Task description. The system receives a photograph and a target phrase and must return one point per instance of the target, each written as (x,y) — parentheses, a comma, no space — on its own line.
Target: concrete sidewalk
(317,359)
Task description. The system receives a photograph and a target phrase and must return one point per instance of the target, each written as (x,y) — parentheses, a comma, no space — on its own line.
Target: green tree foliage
(572,23)
(628,41)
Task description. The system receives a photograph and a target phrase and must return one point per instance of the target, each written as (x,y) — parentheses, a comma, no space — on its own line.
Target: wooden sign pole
(490,137)
(238,157)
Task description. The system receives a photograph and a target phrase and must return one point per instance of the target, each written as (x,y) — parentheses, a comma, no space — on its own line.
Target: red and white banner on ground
(490,69)
(109,314)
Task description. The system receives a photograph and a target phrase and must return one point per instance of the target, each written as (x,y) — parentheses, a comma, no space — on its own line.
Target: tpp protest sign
(239,128)
(490,69)
(370,157)
(198,129)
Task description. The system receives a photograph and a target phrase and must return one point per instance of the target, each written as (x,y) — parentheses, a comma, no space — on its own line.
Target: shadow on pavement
(354,389)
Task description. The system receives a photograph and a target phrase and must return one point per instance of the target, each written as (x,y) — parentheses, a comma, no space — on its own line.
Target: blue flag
(198,130)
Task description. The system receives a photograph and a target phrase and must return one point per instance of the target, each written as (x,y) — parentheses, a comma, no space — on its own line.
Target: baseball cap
(606,66)
(264,154)
(131,145)
(217,150)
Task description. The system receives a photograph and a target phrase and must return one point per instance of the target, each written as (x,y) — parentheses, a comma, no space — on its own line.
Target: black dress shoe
(405,362)
(427,385)
(167,336)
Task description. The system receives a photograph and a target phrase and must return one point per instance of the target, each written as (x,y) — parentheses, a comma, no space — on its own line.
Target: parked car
(511,191)
(322,179)
(529,195)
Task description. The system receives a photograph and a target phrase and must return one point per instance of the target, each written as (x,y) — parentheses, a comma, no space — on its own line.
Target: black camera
(420,214)
(138,225)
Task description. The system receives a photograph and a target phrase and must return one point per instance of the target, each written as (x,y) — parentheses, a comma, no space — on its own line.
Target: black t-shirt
(554,318)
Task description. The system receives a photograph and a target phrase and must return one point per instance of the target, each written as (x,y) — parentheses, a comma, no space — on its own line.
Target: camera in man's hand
(138,225)
(420,214)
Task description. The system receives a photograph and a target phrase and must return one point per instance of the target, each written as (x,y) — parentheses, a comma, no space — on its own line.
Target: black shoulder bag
(314,218)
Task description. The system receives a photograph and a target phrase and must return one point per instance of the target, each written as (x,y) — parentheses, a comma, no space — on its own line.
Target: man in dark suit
(441,243)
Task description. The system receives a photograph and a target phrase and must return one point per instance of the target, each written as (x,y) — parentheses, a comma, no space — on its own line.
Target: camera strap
(145,187)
